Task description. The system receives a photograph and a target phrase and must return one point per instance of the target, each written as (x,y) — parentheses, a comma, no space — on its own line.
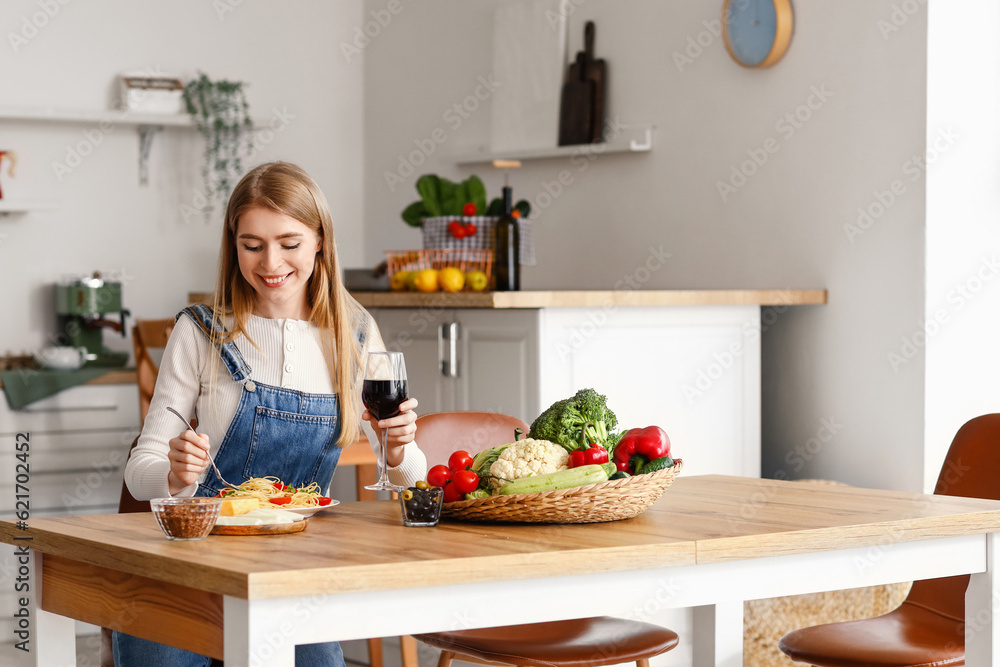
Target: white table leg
(718,635)
(252,636)
(52,638)
(982,627)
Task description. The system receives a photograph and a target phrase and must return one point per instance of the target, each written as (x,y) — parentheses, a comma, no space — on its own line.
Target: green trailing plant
(222,116)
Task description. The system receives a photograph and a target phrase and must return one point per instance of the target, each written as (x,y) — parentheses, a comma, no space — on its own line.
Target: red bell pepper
(587,454)
(651,442)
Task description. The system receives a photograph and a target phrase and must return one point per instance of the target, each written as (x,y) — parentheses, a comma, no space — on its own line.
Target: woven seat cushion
(585,642)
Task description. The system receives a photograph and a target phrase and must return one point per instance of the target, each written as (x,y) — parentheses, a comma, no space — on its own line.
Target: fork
(187,426)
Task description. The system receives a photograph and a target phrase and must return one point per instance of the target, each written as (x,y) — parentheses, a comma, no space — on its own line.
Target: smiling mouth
(274,281)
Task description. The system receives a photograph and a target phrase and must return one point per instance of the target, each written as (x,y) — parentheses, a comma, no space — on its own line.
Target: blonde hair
(287,189)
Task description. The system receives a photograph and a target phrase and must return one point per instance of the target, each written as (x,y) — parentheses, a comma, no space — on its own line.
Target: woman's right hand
(188,459)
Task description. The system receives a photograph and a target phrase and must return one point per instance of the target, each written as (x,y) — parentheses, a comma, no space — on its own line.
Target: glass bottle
(506,248)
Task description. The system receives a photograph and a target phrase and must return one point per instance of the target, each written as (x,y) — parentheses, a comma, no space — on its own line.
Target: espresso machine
(83,310)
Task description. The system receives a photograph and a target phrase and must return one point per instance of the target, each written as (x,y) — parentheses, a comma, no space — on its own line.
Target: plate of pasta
(272,492)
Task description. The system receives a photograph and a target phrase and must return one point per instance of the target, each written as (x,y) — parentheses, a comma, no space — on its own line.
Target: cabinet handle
(448,333)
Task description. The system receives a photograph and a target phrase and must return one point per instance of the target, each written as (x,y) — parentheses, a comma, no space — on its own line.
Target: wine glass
(383,390)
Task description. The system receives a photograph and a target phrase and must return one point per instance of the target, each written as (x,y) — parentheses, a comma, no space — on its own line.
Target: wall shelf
(16,206)
(638,139)
(147,124)
(85,116)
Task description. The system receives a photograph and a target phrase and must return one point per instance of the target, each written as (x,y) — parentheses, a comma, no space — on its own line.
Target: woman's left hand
(399,430)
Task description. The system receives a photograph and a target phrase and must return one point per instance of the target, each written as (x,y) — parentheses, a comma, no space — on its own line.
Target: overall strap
(213,330)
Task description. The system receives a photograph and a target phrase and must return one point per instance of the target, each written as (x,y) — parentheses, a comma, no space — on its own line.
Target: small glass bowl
(421,507)
(186,518)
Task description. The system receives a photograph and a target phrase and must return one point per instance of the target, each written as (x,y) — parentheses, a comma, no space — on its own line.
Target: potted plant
(222,116)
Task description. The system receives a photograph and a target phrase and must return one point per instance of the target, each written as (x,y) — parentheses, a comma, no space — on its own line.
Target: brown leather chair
(585,642)
(928,627)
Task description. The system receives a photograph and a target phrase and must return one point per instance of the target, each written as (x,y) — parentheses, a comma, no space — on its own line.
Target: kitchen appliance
(82,307)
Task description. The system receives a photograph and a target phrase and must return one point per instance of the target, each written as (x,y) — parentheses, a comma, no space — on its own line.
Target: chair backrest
(971,469)
(148,335)
(441,433)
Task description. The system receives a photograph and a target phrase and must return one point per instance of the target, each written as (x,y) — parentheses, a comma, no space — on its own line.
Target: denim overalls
(275,432)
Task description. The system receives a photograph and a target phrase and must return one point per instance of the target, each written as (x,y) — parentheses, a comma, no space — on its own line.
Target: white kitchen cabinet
(694,370)
(78,442)
(467,359)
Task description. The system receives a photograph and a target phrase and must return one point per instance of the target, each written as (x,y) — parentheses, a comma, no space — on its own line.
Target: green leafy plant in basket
(442,197)
(222,116)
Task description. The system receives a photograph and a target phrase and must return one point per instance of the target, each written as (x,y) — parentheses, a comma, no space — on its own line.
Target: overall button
(289,346)
(250,386)
(289,368)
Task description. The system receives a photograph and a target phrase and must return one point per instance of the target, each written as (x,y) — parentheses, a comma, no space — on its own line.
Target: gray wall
(833,407)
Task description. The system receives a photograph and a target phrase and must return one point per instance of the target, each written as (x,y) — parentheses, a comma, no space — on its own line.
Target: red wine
(382,397)
(506,249)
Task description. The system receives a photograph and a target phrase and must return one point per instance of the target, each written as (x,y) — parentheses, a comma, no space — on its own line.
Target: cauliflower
(525,458)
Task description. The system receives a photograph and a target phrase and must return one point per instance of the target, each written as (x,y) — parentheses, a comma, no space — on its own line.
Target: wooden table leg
(375,652)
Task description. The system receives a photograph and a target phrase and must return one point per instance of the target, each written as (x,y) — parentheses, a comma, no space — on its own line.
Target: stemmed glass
(383,391)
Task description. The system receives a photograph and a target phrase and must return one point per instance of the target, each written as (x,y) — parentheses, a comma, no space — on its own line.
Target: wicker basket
(606,501)
(415,260)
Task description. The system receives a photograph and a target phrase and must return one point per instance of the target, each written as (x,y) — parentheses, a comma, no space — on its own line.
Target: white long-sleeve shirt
(194,381)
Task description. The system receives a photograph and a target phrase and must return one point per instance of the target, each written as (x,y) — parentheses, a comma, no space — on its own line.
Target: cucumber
(620,474)
(661,463)
(564,479)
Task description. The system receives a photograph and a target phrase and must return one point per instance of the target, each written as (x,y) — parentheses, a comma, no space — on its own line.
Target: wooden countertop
(580,298)
(127,376)
(587,299)
(364,546)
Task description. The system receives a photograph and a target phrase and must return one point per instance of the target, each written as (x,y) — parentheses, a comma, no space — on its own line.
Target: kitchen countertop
(597,298)
(127,376)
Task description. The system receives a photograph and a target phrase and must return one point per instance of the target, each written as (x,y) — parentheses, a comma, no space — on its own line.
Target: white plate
(308,511)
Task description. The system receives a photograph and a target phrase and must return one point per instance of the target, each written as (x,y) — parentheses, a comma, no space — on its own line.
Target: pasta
(270,490)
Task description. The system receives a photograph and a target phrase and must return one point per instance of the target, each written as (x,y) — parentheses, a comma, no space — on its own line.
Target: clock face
(757,31)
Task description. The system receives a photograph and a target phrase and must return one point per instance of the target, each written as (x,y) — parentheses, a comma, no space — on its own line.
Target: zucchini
(661,463)
(609,468)
(564,479)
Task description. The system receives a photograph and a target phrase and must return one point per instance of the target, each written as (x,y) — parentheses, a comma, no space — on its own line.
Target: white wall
(105,220)
(963,244)
(783,228)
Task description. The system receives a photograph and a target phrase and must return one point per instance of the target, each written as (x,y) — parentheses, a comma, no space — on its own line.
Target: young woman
(272,371)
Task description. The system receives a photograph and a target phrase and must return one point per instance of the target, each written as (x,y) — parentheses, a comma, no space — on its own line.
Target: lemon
(426,280)
(452,279)
(477,280)
(399,281)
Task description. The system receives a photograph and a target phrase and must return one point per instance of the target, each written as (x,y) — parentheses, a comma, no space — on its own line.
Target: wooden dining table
(710,542)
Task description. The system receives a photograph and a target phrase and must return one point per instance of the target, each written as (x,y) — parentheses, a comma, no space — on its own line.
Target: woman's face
(277,254)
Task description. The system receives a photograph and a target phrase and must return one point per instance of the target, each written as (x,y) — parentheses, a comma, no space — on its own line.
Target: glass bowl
(186,518)
(421,507)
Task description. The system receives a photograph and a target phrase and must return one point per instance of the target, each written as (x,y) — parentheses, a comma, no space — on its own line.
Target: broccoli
(564,421)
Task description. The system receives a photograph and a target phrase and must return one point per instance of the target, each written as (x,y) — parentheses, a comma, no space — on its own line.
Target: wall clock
(757,32)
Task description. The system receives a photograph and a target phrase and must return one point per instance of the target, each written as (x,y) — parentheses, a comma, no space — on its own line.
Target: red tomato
(284,500)
(456,229)
(459,460)
(439,476)
(279,486)
(471,229)
(577,458)
(323,501)
(465,481)
(451,494)
(469,210)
